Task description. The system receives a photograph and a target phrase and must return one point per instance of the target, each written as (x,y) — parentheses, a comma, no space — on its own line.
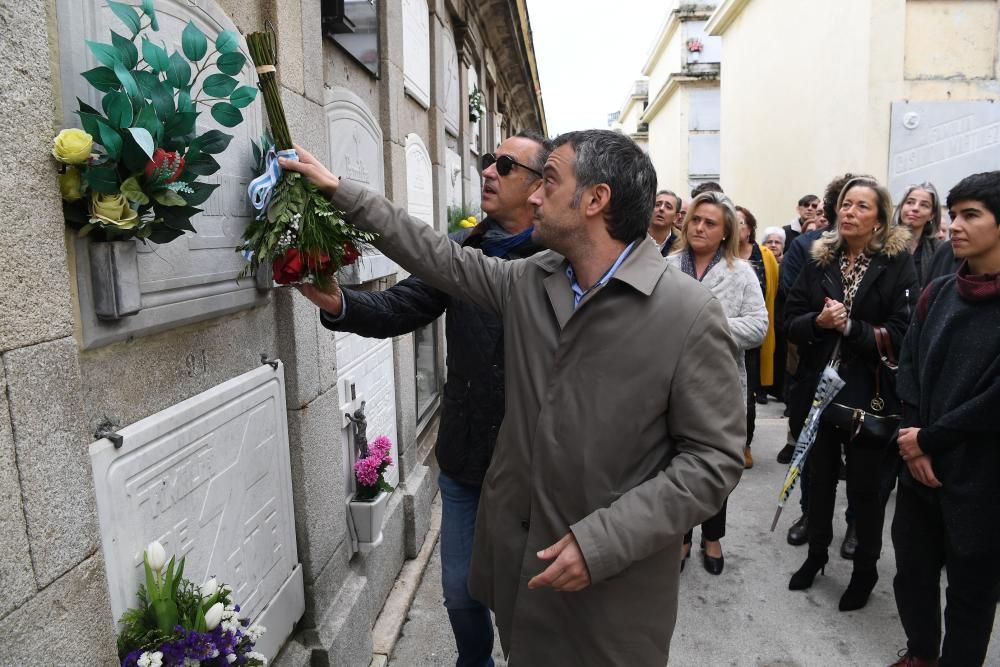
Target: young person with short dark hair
(948,503)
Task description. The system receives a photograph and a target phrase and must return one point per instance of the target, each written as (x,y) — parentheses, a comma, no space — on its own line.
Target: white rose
(213,616)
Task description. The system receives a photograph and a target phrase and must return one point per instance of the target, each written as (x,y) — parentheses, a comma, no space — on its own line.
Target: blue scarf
(497,242)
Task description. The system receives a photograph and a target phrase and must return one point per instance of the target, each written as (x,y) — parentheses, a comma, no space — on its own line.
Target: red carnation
(351,254)
(288,267)
(165,167)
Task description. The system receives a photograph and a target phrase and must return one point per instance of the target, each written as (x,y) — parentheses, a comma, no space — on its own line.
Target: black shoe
(850,543)
(787,412)
(859,590)
(687,555)
(798,534)
(762,399)
(785,455)
(712,564)
(803,578)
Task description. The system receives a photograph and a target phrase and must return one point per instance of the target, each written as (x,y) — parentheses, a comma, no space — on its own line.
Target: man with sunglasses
(604,460)
(807,207)
(472,404)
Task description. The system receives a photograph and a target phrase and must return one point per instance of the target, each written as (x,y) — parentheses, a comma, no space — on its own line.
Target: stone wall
(55,393)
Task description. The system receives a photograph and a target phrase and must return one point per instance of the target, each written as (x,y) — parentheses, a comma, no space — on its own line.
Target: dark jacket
(949,382)
(472,403)
(943,262)
(923,258)
(795,257)
(886,297)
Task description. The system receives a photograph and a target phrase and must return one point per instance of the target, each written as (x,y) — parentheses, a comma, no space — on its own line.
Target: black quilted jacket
(473,398)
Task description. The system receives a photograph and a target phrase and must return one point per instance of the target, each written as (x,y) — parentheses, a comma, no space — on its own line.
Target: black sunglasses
(504,164)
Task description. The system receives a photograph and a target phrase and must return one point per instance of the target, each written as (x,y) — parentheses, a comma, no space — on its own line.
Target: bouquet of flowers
(143,182)
(297,229)
(460,217)
(477,104)
(369,470)
(180,624)
(694,45)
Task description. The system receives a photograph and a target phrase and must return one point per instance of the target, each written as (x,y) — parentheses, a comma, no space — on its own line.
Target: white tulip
(156,555)
(214,616)
(209,588)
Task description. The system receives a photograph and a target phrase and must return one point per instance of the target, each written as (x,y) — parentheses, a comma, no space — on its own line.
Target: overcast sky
(589,52)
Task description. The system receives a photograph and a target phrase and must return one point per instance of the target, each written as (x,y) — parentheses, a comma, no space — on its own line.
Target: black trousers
(752,360)
(714,529)
(923,546)
(867,463)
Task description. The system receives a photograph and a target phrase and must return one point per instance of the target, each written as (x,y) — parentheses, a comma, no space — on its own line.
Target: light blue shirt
(579,292)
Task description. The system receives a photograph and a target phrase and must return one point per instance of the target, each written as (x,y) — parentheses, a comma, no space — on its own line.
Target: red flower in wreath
(165,167)
(351,254)
(288,267)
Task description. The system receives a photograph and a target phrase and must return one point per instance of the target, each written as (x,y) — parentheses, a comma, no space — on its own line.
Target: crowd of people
(573,471)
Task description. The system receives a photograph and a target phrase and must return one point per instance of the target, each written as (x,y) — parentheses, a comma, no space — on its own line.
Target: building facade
(381,92)
(905,90)
(681,113)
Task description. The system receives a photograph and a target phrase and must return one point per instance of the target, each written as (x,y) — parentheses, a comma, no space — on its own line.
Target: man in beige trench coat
(613,444)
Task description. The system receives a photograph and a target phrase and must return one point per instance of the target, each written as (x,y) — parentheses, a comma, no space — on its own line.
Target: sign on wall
(195,277)
(355,141)
(942,142)
(210,478)
(417,51)
(453,172)
(452,93)
(419,181)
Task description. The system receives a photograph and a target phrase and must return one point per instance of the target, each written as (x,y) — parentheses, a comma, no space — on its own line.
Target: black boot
(850,543)
(798,533)
(803,578)
(859,590)
(785,455)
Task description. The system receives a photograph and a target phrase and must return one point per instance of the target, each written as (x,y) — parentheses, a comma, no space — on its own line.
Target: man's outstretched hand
(313,170)
(568,572)
(332,301)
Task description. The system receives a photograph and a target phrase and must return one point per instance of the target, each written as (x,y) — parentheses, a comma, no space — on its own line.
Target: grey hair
(935,222)
(545,144)
(670,193)
(603,156)
(777,231)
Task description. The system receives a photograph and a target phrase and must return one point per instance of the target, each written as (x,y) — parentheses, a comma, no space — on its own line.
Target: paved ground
(747,616)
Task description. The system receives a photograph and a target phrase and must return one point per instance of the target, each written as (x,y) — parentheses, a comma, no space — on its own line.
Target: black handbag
(881,420)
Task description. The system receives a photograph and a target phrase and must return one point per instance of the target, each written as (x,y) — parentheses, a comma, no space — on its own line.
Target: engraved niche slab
(210,478)
(452,94)
(475,188)
(195,277)
(417,51)
(941,142)
(419,183)
(355,141)
(453,172)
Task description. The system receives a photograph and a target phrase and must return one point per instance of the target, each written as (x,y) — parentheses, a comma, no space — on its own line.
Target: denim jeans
(470,620)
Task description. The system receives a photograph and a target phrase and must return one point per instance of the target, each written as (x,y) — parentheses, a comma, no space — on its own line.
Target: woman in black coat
(860,277)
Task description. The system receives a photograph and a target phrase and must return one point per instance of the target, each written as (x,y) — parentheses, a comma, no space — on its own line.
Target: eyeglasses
(815,204)
(504,164)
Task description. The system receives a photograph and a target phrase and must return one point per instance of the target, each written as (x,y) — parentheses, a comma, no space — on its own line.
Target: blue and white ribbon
(261,187)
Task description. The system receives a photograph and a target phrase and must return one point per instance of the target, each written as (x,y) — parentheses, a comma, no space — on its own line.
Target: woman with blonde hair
(920,210)
(852,298)
(708,251)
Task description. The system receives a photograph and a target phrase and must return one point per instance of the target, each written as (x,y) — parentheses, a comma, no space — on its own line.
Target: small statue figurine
(360,429)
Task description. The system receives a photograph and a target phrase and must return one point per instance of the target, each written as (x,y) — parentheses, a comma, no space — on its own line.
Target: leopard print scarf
(852,276)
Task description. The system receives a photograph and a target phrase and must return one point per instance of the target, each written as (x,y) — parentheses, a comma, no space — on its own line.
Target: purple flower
(381,446)
(367,470)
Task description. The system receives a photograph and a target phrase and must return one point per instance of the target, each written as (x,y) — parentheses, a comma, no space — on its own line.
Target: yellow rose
(69,184)
(72,146)
(112,210)
(468,222)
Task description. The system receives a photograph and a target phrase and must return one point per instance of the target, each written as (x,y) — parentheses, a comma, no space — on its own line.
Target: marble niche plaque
(475,188)
(453,172)
(194,277)
(355,141)
(417,51)
(452,93)
(209,478)
(942,142)
(419,181)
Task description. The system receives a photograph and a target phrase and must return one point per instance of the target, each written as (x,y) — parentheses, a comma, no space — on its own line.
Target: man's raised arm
(414,245)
